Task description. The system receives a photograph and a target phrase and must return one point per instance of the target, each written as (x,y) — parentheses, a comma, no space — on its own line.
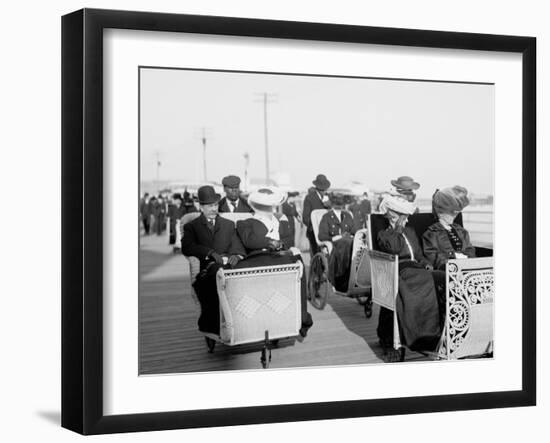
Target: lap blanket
(339,263)
(282,258)
(417,309)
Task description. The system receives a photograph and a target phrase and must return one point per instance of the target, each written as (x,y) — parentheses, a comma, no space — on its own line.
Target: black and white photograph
(295,221)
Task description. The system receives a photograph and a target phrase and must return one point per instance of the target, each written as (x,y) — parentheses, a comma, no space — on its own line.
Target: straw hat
(405,183)
(265,199)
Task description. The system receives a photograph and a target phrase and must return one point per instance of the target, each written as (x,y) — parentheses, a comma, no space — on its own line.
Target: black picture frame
(82,230)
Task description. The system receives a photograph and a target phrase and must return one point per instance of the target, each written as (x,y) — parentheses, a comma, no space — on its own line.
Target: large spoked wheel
(318,284)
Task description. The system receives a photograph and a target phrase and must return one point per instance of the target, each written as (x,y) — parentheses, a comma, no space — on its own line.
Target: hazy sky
(365,130)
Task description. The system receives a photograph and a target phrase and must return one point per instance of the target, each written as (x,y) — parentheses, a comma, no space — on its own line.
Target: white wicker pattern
(384,278)
(247,307)
(255,300)
(470,296)
(278,303)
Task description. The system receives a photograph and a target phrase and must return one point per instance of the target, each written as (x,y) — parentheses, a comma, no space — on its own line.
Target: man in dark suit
(316,198)
(233,202)
(360,210)
(145,212)
(175,212)
(288,209)
(337,227)
(214,241)
(188,204)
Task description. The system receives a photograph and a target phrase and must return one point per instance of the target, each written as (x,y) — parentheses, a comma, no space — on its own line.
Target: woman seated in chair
(261,237)
(444,239)
(337,227)
(417,303)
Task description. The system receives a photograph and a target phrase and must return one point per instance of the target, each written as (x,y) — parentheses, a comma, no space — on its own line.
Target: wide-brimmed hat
(396,204)
(265,199)
(231,181)
(321,182)
(405,183)
(207,195)
(449,200)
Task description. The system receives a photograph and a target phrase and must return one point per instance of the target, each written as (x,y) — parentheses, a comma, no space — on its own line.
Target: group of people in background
(268,237)
(154,211)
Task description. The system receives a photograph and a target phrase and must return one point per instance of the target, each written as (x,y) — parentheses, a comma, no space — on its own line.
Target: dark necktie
(234,206)
(211,225)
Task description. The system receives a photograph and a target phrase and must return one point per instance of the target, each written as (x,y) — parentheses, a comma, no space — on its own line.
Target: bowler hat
(321,182)
(231,181)
(405,183)
(207,195)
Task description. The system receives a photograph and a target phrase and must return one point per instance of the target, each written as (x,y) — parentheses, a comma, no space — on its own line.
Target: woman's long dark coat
(417,304)
(438,248)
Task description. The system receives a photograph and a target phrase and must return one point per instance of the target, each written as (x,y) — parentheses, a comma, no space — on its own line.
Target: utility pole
(204,154)
(265,99)
(246,163)
(158,165)
(266,141)
(204,137)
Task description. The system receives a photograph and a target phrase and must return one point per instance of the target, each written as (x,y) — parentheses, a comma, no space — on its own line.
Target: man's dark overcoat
(242,206)
(312,201)
(199,240)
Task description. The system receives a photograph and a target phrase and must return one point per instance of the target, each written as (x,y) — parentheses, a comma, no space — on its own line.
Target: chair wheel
(266,357)
(210,343)
(318,285)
